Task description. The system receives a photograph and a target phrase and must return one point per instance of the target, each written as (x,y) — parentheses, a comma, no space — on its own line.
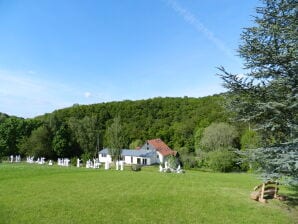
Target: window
(103,155)
(131,159)
(144,161)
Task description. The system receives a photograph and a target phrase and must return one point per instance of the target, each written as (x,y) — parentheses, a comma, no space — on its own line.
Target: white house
(104,156)
(154,151)
(161,149)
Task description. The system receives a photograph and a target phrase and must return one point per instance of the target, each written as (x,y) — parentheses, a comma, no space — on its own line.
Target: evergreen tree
(267,94)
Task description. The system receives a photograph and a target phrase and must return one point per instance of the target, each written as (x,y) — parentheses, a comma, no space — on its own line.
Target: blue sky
(55,53)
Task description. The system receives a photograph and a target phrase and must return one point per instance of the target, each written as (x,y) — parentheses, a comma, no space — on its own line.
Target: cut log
(255,195)
(262,200)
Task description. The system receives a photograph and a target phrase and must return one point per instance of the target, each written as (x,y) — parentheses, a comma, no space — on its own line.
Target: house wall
(127,160)
(104,159)
(158,158)
(155,158)
(147,146)
(141,159)
(161,158)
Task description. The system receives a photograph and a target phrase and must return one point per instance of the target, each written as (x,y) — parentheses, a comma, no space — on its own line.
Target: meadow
(42,194)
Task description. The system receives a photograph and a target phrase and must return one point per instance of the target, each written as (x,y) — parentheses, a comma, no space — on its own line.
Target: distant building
(154,151)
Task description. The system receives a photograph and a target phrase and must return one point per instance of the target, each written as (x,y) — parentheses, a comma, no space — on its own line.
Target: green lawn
(41,194)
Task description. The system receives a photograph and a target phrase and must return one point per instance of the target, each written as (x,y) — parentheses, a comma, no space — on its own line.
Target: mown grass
(42,194)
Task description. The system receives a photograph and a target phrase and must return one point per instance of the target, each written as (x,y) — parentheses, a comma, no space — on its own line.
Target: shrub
(173,162)
(85,157)
(221,160)
(188,161)
(136,167)
(201,158)
(73,161)
(218,136)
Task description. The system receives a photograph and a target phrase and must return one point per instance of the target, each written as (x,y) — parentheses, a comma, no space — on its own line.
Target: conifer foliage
(267,95)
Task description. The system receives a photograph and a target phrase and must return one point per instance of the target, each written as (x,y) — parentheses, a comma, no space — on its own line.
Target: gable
(158,145)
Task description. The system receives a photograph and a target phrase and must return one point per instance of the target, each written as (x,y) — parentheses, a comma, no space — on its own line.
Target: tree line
(198,128)
(80,129)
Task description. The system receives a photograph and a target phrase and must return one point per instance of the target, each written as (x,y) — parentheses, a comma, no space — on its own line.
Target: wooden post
(262,191)
(275,190)
(261,199)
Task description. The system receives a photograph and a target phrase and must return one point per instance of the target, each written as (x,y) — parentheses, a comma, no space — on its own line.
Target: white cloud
(87,94)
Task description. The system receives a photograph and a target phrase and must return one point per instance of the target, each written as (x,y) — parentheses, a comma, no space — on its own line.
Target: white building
(104,156)
(154,151)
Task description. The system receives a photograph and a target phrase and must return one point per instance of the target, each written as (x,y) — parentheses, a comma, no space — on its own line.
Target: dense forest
(80,130)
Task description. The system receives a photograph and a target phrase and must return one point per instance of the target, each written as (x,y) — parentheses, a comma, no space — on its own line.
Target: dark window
(144,161)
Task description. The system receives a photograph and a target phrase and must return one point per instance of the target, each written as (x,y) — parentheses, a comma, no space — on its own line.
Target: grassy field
(42,194)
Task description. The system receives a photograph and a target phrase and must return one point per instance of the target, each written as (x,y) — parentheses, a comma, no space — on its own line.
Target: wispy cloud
(194,21)
(26,95)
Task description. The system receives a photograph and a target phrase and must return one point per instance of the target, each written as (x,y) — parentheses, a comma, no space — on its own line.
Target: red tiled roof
(161,147)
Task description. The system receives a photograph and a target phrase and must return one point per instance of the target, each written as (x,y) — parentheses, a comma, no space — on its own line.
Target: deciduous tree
(115,138)
(219,136)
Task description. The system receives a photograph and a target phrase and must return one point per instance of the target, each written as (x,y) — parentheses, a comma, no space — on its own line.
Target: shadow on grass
(292,197)
(289,199)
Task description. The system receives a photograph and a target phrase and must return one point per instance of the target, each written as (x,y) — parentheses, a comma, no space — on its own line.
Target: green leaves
(115,138)
(86,132)
(61,142)
(267,97)
(283,163)
(219,136)
(39,143)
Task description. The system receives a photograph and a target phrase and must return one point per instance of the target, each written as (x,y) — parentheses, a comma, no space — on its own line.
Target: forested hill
(77,129)
(174,120)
